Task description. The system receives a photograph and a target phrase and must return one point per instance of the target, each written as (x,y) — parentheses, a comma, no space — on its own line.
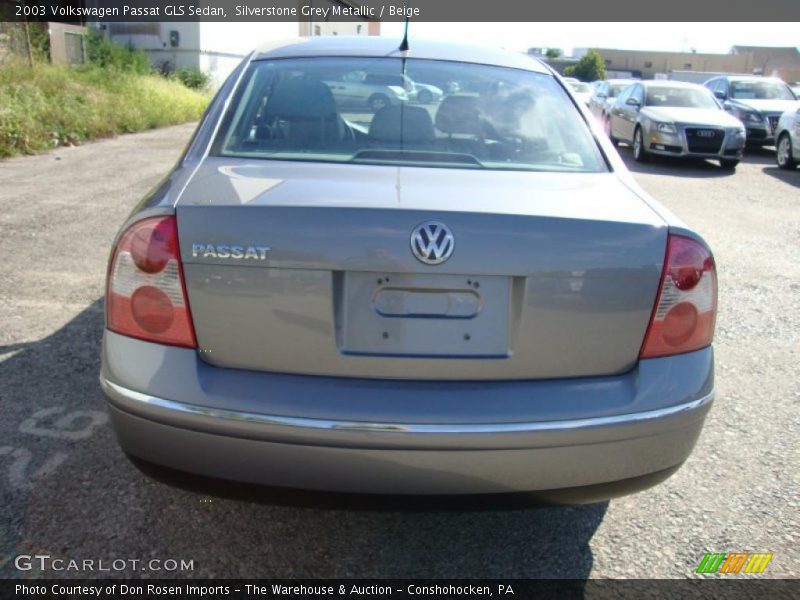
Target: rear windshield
(424,113)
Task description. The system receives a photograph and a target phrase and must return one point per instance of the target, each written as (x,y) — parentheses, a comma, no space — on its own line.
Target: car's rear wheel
(728,164)
(377,102)
(783,153)
(639,153)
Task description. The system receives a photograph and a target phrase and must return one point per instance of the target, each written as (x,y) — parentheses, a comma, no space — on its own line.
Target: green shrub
(104,53)
(13,38)
(53,105)
(590,67)
(192,78)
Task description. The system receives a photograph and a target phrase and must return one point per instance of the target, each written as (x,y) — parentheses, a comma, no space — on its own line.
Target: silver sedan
(473,297)
(673,118)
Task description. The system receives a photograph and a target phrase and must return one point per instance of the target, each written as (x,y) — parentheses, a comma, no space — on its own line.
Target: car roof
(375,46)
(751,78)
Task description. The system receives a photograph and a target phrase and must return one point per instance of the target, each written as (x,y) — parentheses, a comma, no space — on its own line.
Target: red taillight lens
(686,307)
(146,296)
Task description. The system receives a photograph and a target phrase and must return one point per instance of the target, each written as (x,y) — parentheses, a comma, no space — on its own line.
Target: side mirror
(720,94)
(632,102)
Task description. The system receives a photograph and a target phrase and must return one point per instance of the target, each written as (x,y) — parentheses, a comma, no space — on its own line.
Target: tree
(590,67)
(553,53)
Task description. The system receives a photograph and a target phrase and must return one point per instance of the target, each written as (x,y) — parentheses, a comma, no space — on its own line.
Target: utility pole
(27,31)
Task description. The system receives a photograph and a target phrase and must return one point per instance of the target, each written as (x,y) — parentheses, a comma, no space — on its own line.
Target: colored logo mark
(734,562)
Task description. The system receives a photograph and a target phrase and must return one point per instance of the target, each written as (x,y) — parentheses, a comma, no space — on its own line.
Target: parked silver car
(673,118)
(787,139)
(373,91)
(758,102)
(471,299)
(605,95)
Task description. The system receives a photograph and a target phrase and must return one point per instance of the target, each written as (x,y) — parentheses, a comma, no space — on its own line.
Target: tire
(728,164)
(783,153)
(424,97)
(607,129)
(639,153)
(377,102)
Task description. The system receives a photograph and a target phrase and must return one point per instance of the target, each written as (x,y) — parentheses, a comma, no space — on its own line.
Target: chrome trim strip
(412,428)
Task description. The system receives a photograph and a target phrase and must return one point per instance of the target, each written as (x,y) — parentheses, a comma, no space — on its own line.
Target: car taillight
(146,295)
(686,306)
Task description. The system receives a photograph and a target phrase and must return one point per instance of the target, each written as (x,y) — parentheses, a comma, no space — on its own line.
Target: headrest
(416,123)
(459,114)
(301,98)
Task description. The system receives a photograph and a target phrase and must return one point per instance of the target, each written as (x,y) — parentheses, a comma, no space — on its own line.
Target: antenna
(404,44)
(403,48)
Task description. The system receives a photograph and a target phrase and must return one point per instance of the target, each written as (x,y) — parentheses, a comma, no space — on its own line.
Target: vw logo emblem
(432,242)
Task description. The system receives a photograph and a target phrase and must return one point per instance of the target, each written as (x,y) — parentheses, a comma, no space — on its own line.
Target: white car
(373,91)
(787,139)
(582,91)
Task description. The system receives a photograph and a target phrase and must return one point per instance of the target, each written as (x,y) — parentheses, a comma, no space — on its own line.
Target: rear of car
(470,296)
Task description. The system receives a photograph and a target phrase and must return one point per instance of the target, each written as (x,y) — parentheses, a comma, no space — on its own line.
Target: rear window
(423,113)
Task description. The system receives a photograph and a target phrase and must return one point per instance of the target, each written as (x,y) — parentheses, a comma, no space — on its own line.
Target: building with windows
(217,47)
(647,64)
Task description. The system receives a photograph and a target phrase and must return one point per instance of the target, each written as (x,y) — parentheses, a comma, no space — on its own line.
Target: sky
(676,37)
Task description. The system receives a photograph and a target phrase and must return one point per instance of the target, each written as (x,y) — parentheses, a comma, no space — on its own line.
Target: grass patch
(51,105)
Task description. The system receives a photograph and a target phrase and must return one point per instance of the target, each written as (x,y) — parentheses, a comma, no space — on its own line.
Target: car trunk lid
(552,274)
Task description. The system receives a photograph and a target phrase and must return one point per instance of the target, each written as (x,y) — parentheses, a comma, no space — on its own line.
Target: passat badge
(232,252)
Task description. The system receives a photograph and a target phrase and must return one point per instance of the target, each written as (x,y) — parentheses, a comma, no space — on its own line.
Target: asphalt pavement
(66,490)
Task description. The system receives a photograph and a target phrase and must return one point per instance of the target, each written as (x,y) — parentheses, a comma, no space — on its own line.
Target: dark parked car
(758,102)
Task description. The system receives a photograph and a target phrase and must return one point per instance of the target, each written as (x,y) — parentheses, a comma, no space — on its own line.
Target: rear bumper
(500,436)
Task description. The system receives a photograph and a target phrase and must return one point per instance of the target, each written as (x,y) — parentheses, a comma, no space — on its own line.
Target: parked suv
(758,102)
